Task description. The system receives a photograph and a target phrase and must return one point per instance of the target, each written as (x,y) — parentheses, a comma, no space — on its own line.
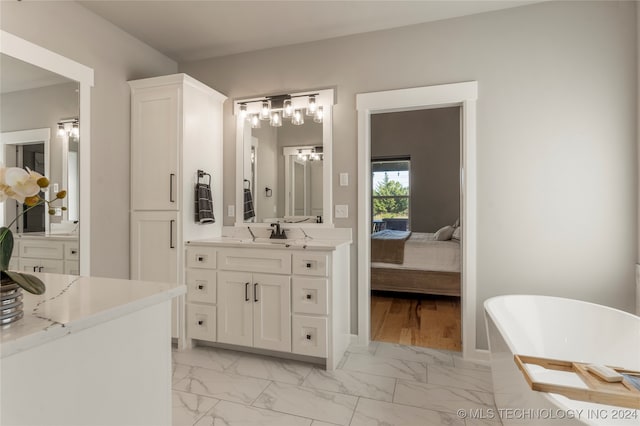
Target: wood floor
(416,319)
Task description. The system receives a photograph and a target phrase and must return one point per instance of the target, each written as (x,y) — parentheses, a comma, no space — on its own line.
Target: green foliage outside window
(390,199)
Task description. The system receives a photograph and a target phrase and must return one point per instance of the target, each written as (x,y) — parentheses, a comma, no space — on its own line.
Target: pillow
(444,233)
(456,234)
(457,223)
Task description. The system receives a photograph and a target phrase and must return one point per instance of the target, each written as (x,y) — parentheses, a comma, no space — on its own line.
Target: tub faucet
(278,233)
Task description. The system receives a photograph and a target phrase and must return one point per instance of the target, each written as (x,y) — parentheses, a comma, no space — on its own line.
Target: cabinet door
(272,312)
(235,308)
(156,127)
(154,246)
(41,265)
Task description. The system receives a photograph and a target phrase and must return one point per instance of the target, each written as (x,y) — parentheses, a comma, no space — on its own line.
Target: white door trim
(457,94)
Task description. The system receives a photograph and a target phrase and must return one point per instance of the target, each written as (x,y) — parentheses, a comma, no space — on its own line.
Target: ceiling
(187,30)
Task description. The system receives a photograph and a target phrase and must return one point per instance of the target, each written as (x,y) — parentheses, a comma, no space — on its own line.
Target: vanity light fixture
(69,127)
(319,115)
(243,110)
(265,111)
(276,119)
(298,118)
(255,121)
(312,106)
(287,108)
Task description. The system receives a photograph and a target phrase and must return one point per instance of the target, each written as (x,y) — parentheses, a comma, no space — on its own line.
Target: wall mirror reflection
(39,128)
(284,159)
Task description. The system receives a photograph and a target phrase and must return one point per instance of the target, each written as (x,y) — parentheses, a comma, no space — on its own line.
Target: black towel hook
(202,174)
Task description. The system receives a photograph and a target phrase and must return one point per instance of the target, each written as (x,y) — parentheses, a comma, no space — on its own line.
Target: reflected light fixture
(69,127)
(243,111)
(276,108)
(312,106)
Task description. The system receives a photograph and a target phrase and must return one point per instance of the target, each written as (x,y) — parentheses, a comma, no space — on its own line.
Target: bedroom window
(390,194)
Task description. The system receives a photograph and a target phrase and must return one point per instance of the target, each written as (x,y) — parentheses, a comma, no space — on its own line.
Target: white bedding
(423,252)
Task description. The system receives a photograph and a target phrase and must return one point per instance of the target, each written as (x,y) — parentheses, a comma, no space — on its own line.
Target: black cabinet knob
(308,297)
(308,265)
(200,322)
(200,258)
(308,337)
(200,287)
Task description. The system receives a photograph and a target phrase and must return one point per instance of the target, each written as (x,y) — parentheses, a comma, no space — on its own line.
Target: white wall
(557,114)
(71,30)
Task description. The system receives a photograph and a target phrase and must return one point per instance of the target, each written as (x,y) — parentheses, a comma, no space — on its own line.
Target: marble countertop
(72,303)
(41,235)
(297,238)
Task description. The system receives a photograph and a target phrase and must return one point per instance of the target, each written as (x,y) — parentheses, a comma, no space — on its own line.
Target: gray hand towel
(204,204)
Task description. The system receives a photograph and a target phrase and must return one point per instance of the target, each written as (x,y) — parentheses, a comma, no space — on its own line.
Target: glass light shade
(75,130)
(276,120)
(265,111)
(61,131)
(243,111)
(312,106)
(255,121)
(298,118)
(287,108)
(319,115)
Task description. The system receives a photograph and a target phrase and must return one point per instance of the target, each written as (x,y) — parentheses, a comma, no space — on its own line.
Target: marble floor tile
(389,367)
(483,422)
(222,385)
(414,353)
(188,407)
(465,378)
(319,423)
(316,404)
(352,383)
(179,372)
(205,357)
(270,368)
(459,362)
(440,398)
(358,349)
(231,414)
(378,413)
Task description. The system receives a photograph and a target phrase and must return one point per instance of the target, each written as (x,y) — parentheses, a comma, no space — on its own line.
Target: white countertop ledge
(72,303)
(274,244)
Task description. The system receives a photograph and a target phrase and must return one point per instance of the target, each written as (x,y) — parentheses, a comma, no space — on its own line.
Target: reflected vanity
(283,164)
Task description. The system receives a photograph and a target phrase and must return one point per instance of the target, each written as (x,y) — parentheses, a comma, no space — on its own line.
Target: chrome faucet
(278,233)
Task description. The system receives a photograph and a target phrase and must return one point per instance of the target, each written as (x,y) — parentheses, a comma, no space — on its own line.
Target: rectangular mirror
(284,159)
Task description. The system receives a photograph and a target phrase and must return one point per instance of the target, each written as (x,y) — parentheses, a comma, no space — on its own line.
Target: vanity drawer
(16,249)
(42,265)
(201,257)
(201,322)
(201,286)
(311,264)
(309,295)
(252,260)
(71,251)
(42,249)
(309,335)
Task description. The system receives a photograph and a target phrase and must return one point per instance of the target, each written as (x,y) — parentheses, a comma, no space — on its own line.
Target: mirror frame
(33,54)
(324,98)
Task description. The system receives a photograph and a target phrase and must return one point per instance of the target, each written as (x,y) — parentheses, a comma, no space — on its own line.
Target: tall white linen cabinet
(176,130)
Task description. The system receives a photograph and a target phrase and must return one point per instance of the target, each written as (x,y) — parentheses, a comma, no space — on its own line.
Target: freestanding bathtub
(564,329)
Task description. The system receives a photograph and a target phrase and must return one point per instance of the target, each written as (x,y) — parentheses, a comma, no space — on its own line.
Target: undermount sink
(272,241)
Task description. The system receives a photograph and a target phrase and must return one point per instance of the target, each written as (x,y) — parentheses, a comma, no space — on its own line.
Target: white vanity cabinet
(46,254)
(292,301)
(176,130)
(254,310)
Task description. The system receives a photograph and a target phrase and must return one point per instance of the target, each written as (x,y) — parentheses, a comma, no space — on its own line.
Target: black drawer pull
(308,297)
(246,292)
(74,251)
(308,337)
(255,292)
(200,258)
(34,269)
(171,176)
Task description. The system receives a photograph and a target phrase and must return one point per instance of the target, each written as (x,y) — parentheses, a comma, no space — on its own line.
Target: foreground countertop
(72,303)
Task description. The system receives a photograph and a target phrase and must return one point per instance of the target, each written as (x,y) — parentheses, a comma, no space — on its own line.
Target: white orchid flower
(21,183)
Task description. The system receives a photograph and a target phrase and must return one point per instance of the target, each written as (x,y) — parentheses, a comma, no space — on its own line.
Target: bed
(415,262)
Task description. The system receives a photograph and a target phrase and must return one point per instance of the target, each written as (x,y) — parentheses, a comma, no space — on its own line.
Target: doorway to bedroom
(415,266)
